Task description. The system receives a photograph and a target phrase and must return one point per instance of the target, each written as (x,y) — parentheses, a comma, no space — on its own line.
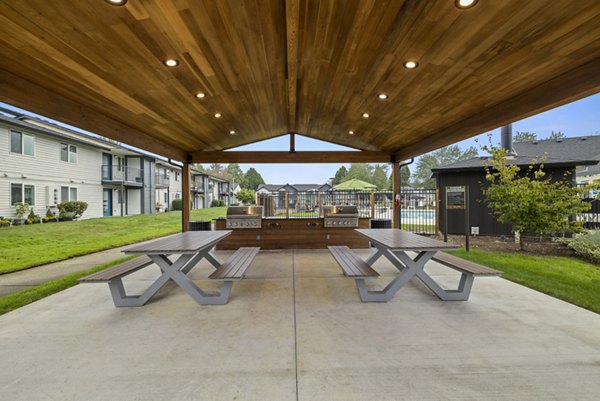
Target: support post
(292,142)
(319,204)
(185,196)
(395,191)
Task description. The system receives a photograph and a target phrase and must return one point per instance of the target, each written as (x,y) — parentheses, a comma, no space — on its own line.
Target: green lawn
(33,245)
(569,279)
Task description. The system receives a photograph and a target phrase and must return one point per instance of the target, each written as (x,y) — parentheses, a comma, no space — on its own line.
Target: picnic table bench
(192,247)
(393,244)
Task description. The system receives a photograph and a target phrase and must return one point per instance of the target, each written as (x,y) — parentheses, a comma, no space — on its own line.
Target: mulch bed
(532,246)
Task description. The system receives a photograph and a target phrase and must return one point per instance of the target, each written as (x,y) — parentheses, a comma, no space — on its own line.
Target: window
(177,195)
(22,193)
(22,144)
(167,173)
(68,194)
(119,196)
(68,153)
(177,176)
(166,198)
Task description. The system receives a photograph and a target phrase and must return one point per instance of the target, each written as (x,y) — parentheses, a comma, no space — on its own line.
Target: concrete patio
(295,329)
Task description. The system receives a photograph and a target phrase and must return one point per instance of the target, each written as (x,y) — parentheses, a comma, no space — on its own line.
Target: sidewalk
(11,283)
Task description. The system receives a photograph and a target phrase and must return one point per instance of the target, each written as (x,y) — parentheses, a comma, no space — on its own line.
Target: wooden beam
(37,99)
(576,84)
(292,19)
(186,196)
(288,157)
(292,142)
(395,190)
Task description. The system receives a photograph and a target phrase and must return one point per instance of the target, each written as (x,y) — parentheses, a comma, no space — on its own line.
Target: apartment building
(44,164)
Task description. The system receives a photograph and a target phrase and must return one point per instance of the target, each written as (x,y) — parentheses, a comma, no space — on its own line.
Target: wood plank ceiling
(270,67)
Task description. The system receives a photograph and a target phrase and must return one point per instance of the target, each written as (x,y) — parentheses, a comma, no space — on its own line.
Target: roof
(310,67)
(355,184)
(576,151)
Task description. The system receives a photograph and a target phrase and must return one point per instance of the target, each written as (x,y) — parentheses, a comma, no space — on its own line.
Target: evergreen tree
(525,136)
(557,135)
(339,175)
(252,179)
(380,177)
(359,171)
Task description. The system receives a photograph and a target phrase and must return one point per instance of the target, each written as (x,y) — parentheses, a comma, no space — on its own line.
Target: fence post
(437,211)
(372,204)
(287,206)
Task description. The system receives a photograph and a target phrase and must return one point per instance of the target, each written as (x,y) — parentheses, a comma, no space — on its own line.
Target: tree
(246,196)
(440,157)
(359,171)
(557,135)
(380,177)
(199,167)
(252,179)
(235,173)
(339,175)
(404,176)
(530,201)
(525,136)
(218,170)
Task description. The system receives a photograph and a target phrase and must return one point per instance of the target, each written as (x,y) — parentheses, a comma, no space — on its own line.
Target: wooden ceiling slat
(307,66)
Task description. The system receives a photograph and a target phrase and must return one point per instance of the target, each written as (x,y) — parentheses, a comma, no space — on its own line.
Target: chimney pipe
(506,139)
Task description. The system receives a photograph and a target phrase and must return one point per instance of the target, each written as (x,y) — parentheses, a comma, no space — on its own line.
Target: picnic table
(394,245)
(191,247)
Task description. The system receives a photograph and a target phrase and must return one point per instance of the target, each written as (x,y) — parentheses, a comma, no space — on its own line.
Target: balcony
(161,181)
(129,176)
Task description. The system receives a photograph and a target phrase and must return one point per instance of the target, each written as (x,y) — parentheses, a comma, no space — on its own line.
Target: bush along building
(562,156)
(44,164)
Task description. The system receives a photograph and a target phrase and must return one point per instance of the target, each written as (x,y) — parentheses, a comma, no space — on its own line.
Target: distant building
(44,164)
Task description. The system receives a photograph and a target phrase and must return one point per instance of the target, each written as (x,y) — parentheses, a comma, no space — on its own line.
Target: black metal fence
(417,212)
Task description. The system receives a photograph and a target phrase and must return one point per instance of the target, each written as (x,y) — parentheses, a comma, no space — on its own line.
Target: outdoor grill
(244,217)
(340,216)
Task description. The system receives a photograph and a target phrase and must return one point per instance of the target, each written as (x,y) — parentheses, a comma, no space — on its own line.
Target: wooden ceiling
(313,67)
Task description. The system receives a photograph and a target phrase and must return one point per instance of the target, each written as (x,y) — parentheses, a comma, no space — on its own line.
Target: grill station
(244,217)
(340,216)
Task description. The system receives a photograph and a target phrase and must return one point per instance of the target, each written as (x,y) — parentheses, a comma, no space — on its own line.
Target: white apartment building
(44,164)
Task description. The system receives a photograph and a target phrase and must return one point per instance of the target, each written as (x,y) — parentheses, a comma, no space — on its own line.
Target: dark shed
(562,157)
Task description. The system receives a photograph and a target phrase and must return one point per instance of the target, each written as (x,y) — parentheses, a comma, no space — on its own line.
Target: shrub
(21,209)
(4,222)
(49,214)
(177,204)
(217,203)
(75,207)
(585,245)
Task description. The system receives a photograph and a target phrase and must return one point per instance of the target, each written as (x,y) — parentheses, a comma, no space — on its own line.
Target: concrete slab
(295,329)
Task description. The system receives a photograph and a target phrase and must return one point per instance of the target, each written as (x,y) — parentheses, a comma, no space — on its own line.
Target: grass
(33,245)
(569,279)
(25,297)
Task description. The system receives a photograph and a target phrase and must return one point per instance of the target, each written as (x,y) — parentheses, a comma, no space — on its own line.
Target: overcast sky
(575,119)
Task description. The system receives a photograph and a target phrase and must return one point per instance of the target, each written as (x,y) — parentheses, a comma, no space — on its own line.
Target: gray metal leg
(460,294)
(175,271)
(408,268)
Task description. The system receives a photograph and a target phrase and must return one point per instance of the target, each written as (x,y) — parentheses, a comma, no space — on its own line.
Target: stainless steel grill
(244,217)
(340,216)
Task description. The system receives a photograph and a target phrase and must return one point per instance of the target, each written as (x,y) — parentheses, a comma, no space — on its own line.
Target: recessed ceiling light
(171,62)
(116,2)
(382,96)
(410,64)
(351,132)
(462,4)
(232,132)
(366,115)
(218,115)
(200,95)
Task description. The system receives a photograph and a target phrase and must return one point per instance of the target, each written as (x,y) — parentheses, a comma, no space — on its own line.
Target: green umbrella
(356,185)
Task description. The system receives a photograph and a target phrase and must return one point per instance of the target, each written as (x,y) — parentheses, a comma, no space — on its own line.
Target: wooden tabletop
(395,239)
(188,242)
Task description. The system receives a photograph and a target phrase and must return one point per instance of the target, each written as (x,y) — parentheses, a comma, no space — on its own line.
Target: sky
(580,118)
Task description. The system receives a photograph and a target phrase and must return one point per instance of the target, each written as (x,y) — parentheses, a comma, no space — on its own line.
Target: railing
(121,173)
(161,180)
(417,212)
